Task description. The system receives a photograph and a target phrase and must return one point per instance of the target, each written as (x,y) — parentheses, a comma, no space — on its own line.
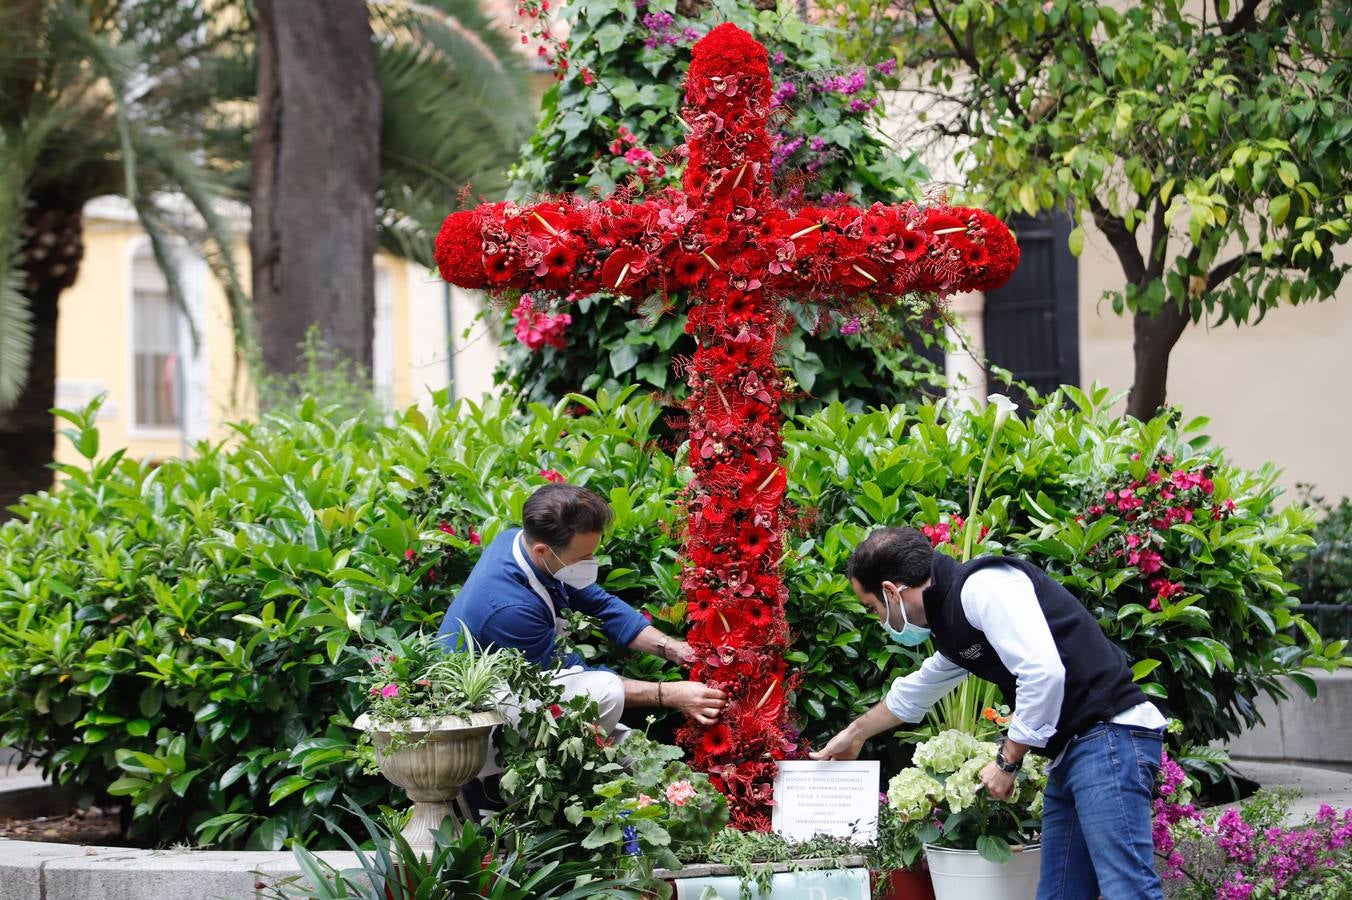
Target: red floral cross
(738,252)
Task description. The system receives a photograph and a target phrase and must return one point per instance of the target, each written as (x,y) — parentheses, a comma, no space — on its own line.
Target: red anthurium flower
(623,267)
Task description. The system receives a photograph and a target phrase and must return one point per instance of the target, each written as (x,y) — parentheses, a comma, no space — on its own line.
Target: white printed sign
(827,797)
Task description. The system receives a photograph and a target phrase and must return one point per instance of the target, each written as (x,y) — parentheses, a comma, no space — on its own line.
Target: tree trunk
(52,250)
(316,160)
(1155,337)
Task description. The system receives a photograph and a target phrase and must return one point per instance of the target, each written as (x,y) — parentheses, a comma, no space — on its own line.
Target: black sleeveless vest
(1098,681)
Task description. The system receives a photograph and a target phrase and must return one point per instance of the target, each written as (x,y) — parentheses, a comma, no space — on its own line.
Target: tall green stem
(970,525)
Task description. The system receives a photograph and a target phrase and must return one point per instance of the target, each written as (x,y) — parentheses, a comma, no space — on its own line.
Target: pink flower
(409,554)
(678,792)
(475,538)
(552,475)
(447,527)
(390,690)
(645,800)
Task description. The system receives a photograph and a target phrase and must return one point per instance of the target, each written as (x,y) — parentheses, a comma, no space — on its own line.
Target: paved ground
(1317,785)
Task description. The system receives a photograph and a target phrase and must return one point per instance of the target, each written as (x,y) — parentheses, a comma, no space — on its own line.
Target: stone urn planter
(430,759)
(967,875)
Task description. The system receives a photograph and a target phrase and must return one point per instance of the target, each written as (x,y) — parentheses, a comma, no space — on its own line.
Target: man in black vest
(1007,621)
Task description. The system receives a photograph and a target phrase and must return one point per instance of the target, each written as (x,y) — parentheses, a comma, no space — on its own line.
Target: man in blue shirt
(526,579)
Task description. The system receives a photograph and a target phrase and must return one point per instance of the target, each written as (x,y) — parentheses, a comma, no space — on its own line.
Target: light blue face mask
(910,635)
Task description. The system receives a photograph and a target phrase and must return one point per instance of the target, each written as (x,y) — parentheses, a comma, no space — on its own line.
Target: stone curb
(42,871)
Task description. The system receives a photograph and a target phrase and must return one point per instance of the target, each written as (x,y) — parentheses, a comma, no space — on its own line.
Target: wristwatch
(1009,768)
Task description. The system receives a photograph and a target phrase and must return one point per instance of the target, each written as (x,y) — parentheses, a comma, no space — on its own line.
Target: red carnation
(459,250)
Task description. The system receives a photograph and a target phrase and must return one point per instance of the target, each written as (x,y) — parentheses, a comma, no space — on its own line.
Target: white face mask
(578,575)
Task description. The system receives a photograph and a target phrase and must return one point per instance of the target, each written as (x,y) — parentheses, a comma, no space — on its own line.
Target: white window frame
(195,419)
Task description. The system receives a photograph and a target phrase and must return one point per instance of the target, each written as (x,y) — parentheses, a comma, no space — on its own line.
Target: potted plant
(977,847)
(897,859)
(430,718)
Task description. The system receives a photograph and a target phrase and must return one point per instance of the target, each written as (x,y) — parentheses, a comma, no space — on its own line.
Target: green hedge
(186,636)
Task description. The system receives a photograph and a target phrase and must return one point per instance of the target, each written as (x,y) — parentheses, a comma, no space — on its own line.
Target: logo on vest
(972,652)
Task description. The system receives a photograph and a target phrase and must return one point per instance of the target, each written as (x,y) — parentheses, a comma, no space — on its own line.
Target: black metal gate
(1032,324)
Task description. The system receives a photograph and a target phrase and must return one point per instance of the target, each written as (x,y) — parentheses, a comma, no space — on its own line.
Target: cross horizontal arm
(661,246)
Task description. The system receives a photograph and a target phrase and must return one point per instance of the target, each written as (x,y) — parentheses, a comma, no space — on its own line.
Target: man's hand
(696,699)
(997,782)
(845,745)
(680,653)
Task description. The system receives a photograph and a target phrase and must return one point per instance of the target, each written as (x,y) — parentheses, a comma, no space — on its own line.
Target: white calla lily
(1004,408)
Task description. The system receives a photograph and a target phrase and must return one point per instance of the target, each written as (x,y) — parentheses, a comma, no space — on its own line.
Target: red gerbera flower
(560,261)
(499,269)
(911,244)
(717,740)
(699,608)
(758,615)
(688,269)
(754,540)
(715,230)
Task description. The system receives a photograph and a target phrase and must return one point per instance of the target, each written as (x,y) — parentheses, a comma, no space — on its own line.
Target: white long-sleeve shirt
(1001,602)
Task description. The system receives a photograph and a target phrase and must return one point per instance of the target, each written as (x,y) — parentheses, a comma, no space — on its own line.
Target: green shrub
(1325,576)
(187,636)
(1210,648)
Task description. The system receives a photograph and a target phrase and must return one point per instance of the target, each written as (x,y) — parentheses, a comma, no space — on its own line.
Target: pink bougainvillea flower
(390,690)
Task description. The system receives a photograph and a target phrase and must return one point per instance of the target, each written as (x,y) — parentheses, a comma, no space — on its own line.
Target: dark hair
(899,555)
(556,512)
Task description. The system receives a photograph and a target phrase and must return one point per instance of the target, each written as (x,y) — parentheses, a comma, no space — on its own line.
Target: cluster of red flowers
(738,252)
(1152,505)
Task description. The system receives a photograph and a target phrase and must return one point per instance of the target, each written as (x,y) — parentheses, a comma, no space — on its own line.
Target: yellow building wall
(94,345)
(1275,391)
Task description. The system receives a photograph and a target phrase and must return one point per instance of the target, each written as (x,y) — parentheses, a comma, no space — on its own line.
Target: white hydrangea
(961,787)
(912,792)
(1035,769)
(948,750)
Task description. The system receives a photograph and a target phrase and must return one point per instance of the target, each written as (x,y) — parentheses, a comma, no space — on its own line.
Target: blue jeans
(1096,838)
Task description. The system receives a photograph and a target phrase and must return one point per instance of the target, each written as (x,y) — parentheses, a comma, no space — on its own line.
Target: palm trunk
(316,169)
(52,251)
(27,429)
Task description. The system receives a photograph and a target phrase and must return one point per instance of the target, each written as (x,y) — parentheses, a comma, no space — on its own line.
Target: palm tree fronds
(16,325)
